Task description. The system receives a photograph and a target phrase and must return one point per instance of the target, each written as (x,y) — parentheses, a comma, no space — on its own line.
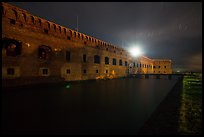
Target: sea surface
(117,106)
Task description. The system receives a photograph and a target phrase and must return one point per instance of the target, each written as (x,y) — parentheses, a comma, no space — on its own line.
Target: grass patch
(190,120)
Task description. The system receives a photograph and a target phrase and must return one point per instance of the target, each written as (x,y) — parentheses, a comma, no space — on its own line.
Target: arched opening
(59,29)
(33,20)
(54,27)
(12,47)
(40,22)
(24,16)
(65,31)
(106,60)
(97,59)
(120,62)
(44,52)
(16,14)
(48,24)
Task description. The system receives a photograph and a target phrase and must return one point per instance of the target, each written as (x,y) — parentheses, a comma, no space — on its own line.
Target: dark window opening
(32,18)
(46,31)
(59,29)
(140,65)
(44,52)
(159,66)
(68,71)
(106,49)
(164,66)
(16,14)
(97,59)
(74,34)
(120,62)
(126,63)
(45,71)
(85,42)
(106,60)
(10,71)
(134,64)
(114,51)
(84,58)
(54,27)
(106,71)
(97,71)
(68,56)
(154,66)
(40,22)
(114,61)
(84,71)
(65,31)
(12,21)
(48,24)
(69,38)
(13,47)
(137,65)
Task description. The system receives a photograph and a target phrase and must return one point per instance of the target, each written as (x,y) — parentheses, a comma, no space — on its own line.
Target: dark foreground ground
(165,119)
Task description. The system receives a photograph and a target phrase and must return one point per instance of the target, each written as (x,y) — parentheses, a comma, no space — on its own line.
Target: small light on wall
(28,44)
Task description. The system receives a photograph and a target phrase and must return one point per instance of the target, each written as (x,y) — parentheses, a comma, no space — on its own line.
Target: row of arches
(49,26)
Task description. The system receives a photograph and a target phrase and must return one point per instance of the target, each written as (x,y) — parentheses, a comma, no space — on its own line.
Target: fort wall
(35,47)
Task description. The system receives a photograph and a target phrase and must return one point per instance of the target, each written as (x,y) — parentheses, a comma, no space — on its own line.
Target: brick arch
(75,34)
(65,31)
(79,35)
(70,31)
(32,19)
(3,10)
(60,29)
(24,17)
(55,27)
(13,47)
(40,21)
(48,25)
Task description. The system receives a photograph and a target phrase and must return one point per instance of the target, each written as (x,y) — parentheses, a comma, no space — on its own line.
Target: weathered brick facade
(35,47)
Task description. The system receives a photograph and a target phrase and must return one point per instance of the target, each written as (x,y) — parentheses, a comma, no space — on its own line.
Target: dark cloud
(164,29)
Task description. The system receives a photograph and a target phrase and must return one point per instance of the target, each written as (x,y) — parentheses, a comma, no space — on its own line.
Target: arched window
(106,60)
(13,47)
(120,62)
(74,34)
(32,19)
(97,59)
(44,52)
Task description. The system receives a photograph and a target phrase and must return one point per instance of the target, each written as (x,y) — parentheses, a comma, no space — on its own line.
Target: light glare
(136,51)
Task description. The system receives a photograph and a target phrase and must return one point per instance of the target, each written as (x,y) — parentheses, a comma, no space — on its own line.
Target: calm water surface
(118,106)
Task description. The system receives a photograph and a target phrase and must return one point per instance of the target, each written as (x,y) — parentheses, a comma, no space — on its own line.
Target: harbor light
(136,51)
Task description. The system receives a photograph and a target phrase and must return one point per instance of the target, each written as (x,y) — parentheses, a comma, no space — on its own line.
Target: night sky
(165,30)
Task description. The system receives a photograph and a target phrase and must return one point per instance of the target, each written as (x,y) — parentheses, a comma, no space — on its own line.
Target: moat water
(118,106)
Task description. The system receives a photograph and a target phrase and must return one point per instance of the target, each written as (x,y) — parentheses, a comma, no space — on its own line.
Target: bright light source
(136,51)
